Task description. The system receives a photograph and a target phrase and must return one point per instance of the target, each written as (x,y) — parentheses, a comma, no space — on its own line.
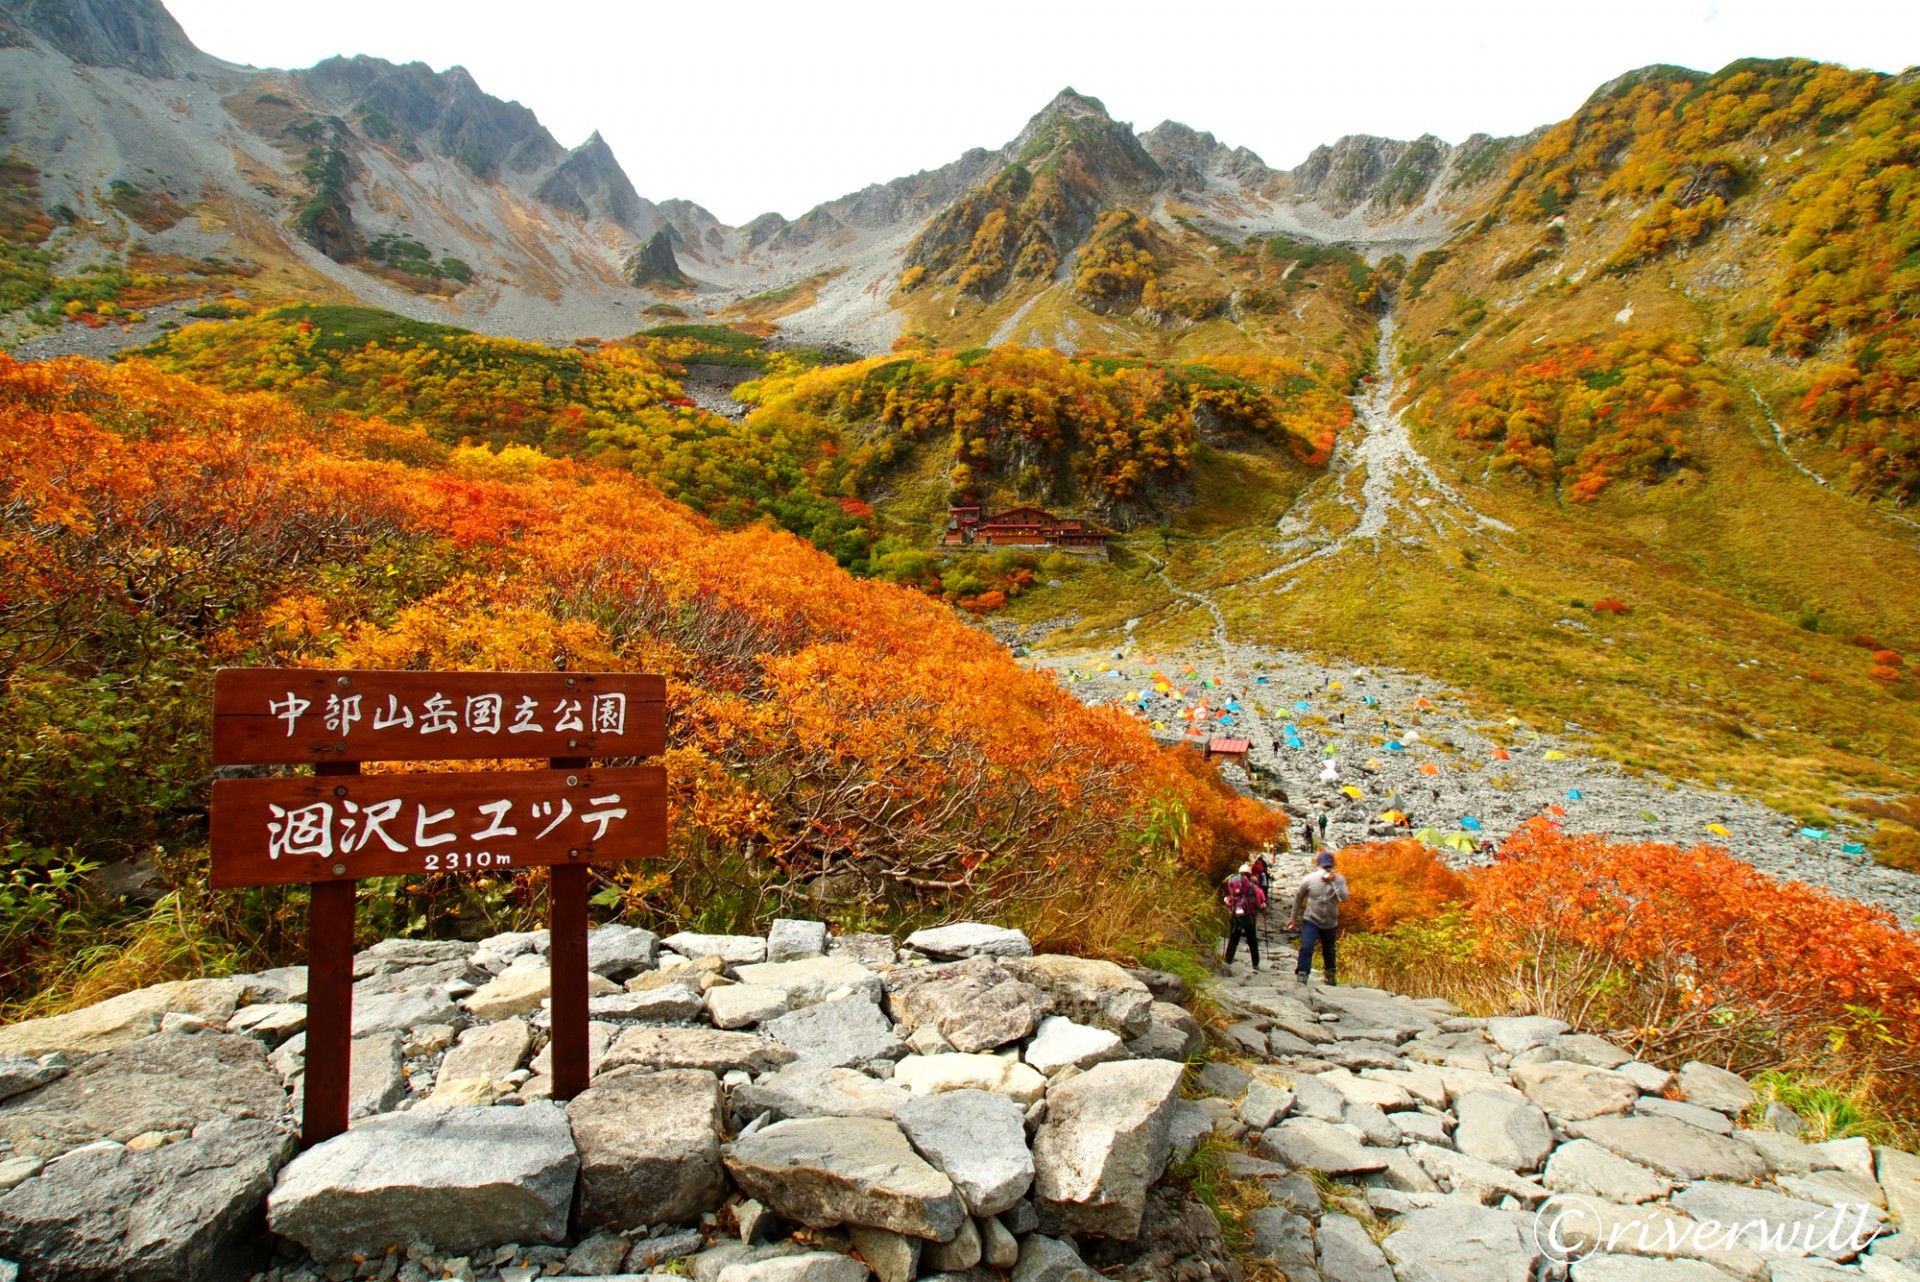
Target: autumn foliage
(1396,881)
(831,740)
(1680,952)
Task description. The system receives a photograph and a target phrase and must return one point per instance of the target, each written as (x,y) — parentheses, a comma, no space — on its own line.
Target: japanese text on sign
(476,714)
(324,829)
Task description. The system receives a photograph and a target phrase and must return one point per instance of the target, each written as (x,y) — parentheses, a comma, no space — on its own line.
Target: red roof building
(1234,748)
(1020,527)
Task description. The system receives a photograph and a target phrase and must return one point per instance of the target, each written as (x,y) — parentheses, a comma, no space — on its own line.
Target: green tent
(1432,836)
(1459,841)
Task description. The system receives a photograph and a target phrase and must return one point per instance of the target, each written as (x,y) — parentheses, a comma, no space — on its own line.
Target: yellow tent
(1353,792)
(1336,686)
(1719,830)
(1553,755)
(1392,816)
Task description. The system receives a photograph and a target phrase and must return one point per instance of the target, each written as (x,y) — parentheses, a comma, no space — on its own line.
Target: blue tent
(1260,681)
(1814,834)
(1301,706)
(1394,745)
(1854,848)
(1371,701)
(1470,823)
(1573,794)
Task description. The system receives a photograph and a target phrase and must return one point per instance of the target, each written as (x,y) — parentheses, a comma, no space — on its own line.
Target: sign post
(337,826)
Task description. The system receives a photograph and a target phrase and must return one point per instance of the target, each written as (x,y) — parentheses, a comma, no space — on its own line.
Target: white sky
(748,105)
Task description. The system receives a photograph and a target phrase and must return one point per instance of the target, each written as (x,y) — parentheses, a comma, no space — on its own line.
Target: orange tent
(1500,754)
(1428,768)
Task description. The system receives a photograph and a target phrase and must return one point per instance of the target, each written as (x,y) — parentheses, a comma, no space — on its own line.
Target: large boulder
(1089,991)
(1103,1142)
(649,1149)
(376,1077)
(812,980)
(1048,1259)
(803,1266)
(708,1048)
(391,955)
(1778,1226)
(163,1082)
(744,1005)
(488,1053)
(1581,1166)
(969,939)
(617,950)
(819,1090)
(117,1021)
(1715,1088)
(842,1032)
(517,990)
(846,1170)
(975,1004)
(19,1074)
(404,1011)
(1307,1143)
(463,1178)
(1674,1148)
(979,1140)
(933,1074)
(188,1211)
(1462,1242)
(1899,1175)
(1172,1033)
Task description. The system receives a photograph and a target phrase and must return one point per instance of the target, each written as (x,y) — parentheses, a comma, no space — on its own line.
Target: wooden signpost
(338,825)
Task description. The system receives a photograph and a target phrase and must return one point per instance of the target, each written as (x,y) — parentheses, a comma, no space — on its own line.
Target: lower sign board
(344,827)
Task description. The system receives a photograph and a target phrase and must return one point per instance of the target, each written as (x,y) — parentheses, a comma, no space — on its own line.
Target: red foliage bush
(1609,605)
(1887,658)
(1395,881)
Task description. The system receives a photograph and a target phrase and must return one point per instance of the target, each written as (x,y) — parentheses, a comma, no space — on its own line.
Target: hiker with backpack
(1316,911)
(1244,900)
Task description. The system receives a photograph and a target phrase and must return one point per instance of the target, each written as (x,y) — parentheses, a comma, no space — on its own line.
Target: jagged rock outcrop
(134,35)
(444,111)
(653,262)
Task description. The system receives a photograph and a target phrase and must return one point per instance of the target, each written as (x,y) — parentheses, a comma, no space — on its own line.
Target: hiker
(1244,900)
(1316,912)
(1262,875)
(1323,827)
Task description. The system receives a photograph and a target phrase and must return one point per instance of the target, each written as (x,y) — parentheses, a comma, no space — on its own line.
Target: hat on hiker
(1246,869)
(1325,860)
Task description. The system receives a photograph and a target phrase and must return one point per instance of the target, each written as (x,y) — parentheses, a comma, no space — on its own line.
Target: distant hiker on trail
(1262,876)
(1316,911)
(1244,900)
(1323,827)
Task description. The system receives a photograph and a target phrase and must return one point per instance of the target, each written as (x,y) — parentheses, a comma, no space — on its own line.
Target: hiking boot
(1302,976)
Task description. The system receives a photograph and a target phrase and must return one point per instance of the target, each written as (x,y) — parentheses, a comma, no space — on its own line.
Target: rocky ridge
(806,1108)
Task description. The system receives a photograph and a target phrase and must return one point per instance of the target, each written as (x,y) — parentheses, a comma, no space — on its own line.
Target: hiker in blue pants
(1316,911)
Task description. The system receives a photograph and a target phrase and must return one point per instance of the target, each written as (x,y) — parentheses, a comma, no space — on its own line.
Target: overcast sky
(747,106)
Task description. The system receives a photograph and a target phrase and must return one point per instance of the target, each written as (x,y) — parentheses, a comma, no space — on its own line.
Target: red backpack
(1243,896)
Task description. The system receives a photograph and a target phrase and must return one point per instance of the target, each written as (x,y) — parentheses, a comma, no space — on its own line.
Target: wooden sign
(338,825)
(271,715)
(324,828)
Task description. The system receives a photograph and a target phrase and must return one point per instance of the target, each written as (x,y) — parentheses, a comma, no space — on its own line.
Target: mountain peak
(1071,102)
(135,35)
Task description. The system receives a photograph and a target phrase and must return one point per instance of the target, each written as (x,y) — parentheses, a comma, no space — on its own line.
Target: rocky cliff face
(134,35)
(446,112)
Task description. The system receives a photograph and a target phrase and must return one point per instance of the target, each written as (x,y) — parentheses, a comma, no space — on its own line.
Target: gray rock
(270,1022)
(1516,1034)
(1455,1242)
(1674,1148)
(1778,1117)
(790,940)
(1581,1166)
(1776,1226)
(458,975)
(1585,1048)
(1048,1259)
(488,1053)
(808,1266)
(979,1140)
(867,949)
(1834,1188)
(1634,1268)
(1314,1098)
(649,1147)
(1089,991)
(969,939)
(974,1004)
(478,1176)
(17,1168)
(1188,1128)
(1172,1033)
(812,980)
(843,1032)
(20,1074)
(744,1005)
(390,955)
(1223,1080)
(963,1252)
(1899,1174)
(1104,1140)
(1426,1128)
(1579,1226)
(1853,1154)
(1650,1078)
(184,1212)
(402,1011)
(1264,1104)
(1575,1091)
(1505,1132)
(999,1249)
(1308,1143)
(164,1082)
(649,1253)
(1377,1128)
(845,1170)
(108,1025)
(1060,1043)
(1285,1238)
(598,1253)
(1245,1037)
(711,1049)
(1706,1119)
(819,1090)
(893,1257)
(1785,1153)
(734,950)
(665,1004)
(1283,1045)
(617,950)
(1295,1190)
(1715,1088)
(376,1077)
(1472,1178)
(1348,1253)
(1164,985)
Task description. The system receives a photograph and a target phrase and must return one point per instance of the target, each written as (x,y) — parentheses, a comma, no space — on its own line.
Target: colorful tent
(1353,792)
(1814,834)
(1556,812)
(1371,701)
(1392,816)
(1394,745)
(1649,816)
(1470,822)
(1260,681)
(1301,706)
(1335,685)
(1719,830)
(1854,848)
(1458,841)
(1428,768)
(1374,763)
(1331,750)
(1432,836)
(1553,754)
(1573,794)
(1501,754)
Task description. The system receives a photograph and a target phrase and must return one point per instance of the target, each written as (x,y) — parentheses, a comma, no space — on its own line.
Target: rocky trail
(803,1107)
(1408,743)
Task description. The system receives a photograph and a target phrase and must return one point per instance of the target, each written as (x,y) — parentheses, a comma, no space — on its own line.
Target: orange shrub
(1395,881)
(1609,605)
(1887,658)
